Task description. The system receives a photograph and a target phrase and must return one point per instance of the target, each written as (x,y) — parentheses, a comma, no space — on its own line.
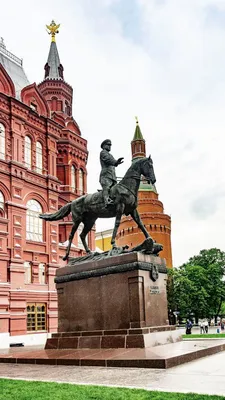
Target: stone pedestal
(115,302)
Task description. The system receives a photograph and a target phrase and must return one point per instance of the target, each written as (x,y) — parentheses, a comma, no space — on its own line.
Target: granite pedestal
(113,313)
(116,302)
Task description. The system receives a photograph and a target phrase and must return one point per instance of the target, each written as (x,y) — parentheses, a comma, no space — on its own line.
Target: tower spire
(138,143)
(137,133)
(53,67)
(58,93)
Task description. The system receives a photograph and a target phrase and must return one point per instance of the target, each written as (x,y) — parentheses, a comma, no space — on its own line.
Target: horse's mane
(134,166)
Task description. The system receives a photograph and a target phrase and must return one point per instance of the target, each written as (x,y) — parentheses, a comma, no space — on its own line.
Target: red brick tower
(150,209)
(72,148)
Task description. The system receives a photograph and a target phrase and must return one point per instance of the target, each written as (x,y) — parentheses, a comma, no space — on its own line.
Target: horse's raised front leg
(136,217)
(72,233)
(119,213)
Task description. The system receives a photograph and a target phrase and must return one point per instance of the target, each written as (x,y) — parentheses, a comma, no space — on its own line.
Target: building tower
(71,147)
(42,166)
(150,209)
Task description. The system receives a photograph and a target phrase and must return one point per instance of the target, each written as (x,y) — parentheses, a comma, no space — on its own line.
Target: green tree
(197,287)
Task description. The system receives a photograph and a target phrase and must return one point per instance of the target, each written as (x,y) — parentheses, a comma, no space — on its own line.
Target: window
(33,106)
(27,152)
(67,108)
(39,157)
(36,317)
(81,181)
(2,141)
(34,225)
(28,272)
(54,103)
(2,201)
(73,178)
(42,273)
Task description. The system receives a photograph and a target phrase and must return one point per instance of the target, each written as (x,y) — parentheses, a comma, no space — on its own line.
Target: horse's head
(147,170)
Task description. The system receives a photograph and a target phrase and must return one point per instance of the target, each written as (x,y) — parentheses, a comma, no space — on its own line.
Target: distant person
(222,326)
(202,327)
(188,327)
(206,325)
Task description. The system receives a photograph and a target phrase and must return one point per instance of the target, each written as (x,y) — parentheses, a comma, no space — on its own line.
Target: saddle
(110,201)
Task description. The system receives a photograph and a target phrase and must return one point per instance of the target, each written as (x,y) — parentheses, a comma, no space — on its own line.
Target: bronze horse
(88,208)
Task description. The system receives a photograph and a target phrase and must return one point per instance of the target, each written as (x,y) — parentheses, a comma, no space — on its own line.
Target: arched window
(42,273)
(39,157)
(2,203)
(67,108)
(81,181)
(73,177)
(28,272)
(2,141)
(28,152)
(34,230)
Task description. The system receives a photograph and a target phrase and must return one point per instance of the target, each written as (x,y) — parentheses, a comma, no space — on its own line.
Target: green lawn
(204,335)
(29,390)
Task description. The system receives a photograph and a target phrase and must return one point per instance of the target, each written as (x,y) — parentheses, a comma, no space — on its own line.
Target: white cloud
(172,78)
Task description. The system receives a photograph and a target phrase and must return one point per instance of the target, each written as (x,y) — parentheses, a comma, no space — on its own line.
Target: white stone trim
(31,339)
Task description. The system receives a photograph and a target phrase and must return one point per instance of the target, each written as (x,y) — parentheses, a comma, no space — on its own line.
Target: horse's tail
(60,214)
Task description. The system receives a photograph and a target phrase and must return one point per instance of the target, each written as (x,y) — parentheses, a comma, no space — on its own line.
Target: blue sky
(161,60)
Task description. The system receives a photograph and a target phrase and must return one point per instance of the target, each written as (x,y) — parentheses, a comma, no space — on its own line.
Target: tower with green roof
(150,209)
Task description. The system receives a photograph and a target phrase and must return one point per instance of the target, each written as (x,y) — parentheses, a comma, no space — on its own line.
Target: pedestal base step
(165,356)
(114,339)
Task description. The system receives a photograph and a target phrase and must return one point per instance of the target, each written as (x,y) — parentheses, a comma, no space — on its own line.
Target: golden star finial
(53,28)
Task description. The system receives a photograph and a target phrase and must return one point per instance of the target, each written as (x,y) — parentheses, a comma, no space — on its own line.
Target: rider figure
(108,175)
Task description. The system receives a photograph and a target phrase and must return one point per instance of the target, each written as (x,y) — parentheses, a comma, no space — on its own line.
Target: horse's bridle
(137,178)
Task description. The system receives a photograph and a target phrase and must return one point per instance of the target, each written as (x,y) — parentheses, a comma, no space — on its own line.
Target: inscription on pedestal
(154,290)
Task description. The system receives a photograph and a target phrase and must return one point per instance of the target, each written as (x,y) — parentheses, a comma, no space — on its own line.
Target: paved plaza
(206,375)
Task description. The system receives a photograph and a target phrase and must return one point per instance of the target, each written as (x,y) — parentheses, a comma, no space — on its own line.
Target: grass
(204,335)
(29,390)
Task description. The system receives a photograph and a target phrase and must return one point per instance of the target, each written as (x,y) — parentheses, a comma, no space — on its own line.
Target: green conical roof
(137,133)
(144,185)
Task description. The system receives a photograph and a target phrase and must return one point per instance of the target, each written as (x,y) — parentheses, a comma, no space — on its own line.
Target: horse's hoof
(65,258)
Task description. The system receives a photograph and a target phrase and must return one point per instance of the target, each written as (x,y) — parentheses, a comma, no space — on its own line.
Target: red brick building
(42,167)
(151,210)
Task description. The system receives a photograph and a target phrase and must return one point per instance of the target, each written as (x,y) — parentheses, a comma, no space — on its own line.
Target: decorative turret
(138,151)
(138,143)
(57,92)
(150,208)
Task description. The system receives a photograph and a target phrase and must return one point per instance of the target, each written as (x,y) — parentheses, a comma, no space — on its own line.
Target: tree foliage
(198,287)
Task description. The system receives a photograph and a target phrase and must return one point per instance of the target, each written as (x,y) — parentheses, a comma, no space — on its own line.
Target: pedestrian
(206,325)
(188,327)
(222,325)
(202,328)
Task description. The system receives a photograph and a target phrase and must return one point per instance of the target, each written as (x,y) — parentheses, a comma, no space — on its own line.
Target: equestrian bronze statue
(88,208)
